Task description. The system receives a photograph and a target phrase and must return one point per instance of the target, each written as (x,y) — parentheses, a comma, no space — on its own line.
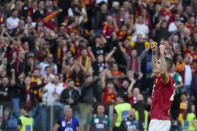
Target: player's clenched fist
(153,46)
(162,48)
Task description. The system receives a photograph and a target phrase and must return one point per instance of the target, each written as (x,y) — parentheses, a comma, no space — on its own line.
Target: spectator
(175,105)
(52,96)
(48,75)
(12,21)
(84,59)
(187,75)
(53,90)
(108,27)
(141,28)
(77,11)
(19,64)
(86,100)
(161,30)
(173,27)
(67,122)
(109,96)
(99,121)
(177,78)
(99,18)
(40,11)
(140,44)
(78,73)
(134,62)
(125,90)
(5,90)
(115,7)
(166,11)
(70,96)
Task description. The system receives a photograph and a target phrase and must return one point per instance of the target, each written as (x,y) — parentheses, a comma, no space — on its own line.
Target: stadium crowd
(87,56)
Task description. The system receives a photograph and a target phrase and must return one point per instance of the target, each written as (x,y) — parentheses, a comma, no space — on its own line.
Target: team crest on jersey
(156,80)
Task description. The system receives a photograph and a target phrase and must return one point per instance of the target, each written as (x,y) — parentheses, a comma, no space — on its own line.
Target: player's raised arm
(154,54)
(163,66)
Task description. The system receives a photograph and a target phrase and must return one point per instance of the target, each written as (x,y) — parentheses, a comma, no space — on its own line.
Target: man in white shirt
(141,28)
(12,21)
(51,96)
(187,74)
(72,11)
(53,91)
(173,27)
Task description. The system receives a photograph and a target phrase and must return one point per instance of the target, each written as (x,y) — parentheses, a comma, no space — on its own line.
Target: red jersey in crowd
(193,57)
(162,98)
(167,14)
(107,31)
(108,96)
(190,27)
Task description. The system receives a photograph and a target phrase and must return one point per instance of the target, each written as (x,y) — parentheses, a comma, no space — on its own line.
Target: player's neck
(157,74)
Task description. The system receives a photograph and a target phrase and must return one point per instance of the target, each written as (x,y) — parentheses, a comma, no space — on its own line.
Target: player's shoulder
(171,79)
(169,82)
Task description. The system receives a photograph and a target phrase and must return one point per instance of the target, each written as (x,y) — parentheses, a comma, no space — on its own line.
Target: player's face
(157,66)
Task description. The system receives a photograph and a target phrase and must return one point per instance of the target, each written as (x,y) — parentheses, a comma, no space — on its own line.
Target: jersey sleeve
(109,122)
(90,121)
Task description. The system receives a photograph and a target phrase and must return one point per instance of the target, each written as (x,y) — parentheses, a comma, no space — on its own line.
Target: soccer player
(163,90)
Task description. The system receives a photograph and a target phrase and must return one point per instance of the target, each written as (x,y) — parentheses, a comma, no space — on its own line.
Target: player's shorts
(159,125)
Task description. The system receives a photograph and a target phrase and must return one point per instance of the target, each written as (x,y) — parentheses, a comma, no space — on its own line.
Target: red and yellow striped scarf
(38,81)
(86,61)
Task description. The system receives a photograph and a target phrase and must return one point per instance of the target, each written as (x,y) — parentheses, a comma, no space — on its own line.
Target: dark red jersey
(162,98)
